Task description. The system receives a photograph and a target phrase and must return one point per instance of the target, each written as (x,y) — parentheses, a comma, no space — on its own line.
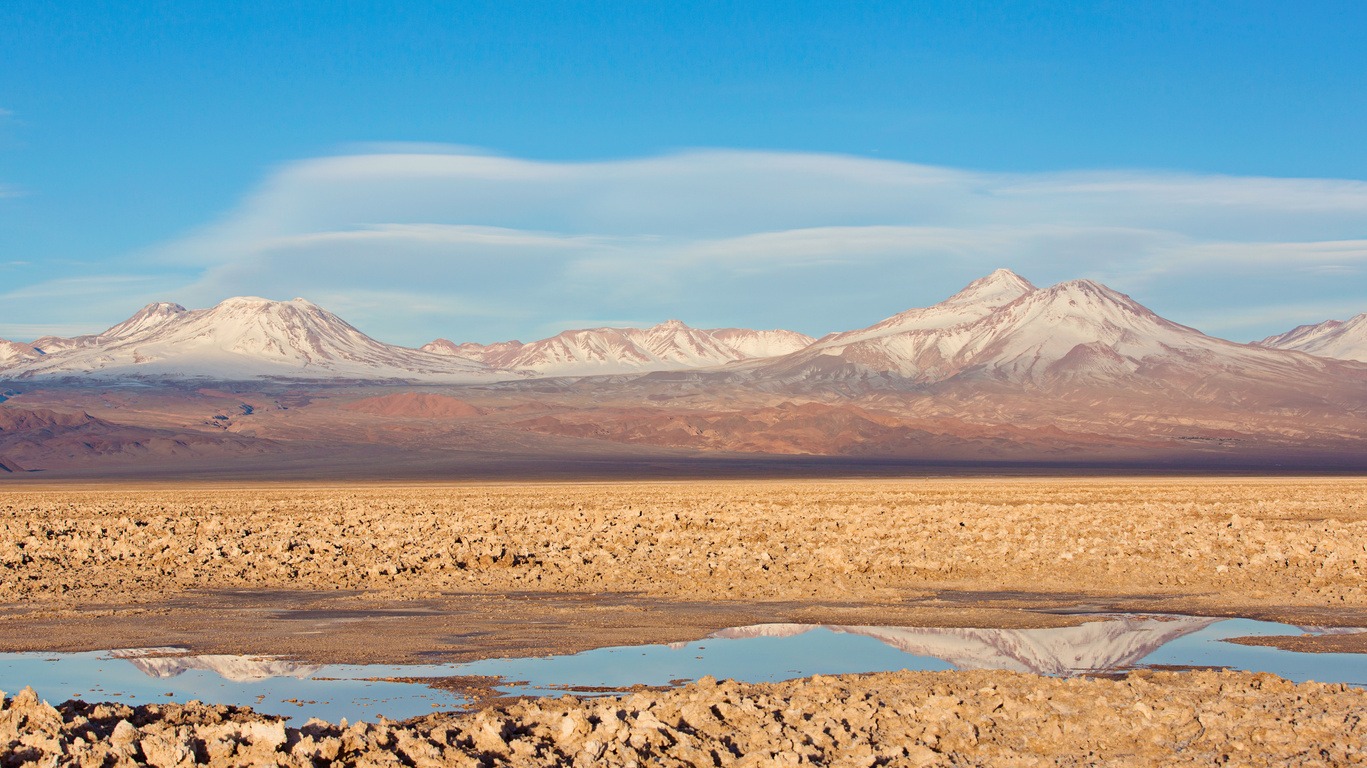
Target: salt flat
(393,573)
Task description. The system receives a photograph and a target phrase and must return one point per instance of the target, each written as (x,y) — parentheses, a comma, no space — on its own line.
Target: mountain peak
(1001,287)
(257,301)
(246,337)
(162,308)
(977,300)
(244,300)
(1090,296)
(16,351)
(1002,273)
(144,320)
(1085,287)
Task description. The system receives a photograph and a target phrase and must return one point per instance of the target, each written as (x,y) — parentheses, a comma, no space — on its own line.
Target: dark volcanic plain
(665,425)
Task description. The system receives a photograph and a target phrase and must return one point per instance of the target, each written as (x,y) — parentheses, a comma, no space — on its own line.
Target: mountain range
(1000,371)
(999,328)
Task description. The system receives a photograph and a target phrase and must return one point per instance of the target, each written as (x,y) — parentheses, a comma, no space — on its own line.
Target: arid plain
(395,573)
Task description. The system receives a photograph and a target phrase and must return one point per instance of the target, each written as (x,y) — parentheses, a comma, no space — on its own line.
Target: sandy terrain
(366,573)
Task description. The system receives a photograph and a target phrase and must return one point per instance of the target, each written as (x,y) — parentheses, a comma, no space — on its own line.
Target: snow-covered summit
(12,352)
(978,299)
(143,320)
(1342,339)
(671,345)
(1000,287)
(1004,329)
(764,343)
(243,337)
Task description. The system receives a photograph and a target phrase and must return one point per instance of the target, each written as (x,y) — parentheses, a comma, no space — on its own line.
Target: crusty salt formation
(1242,541)
(901,718)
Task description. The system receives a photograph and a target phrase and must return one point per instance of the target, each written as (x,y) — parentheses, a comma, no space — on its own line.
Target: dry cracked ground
(367,573)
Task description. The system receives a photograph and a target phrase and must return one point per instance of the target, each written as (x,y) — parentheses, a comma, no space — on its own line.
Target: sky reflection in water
(758,653)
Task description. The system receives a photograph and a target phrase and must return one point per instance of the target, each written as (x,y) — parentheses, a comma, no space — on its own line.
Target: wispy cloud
(29,331)
(419,241)
(78,305)
(78,287)
(1283,317)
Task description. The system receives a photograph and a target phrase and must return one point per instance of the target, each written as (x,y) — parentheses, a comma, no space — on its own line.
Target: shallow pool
(763,652)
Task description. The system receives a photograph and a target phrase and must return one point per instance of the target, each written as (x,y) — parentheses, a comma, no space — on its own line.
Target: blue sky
(483,171)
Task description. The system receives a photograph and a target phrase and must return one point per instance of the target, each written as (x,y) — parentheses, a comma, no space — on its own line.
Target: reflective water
(757,653)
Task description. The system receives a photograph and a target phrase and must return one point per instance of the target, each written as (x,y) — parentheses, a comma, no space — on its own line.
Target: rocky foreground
(564,567)
(901,719)
(1241,541)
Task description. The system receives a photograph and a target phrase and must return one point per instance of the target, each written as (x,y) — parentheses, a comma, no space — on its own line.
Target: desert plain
(396,573)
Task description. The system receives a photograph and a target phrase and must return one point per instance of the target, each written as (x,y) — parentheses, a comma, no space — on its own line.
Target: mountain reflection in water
(1096,646)
(757,653)
(171,662)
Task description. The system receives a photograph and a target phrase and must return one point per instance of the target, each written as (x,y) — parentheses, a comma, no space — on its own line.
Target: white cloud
(411,242)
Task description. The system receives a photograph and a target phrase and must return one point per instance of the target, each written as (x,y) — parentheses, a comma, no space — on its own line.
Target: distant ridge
(999,330)
(1345,340)
(671,345)
(1002,371)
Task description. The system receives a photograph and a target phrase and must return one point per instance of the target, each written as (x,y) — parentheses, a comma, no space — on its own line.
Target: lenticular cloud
(412,243)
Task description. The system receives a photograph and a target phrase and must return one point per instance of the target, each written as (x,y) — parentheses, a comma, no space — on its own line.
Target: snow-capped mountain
(752,344)
(999,330)
(977,300)
(1343,339)
(1096,646)
(489,354)
(143,320)
(1002,329)
(671,345)
(242,338)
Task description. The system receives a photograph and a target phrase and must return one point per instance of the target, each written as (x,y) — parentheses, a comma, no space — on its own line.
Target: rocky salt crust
(84,569)
(1243,541)
(898,719)
(537,568)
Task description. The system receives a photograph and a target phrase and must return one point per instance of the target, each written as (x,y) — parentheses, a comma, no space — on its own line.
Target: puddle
(764,652)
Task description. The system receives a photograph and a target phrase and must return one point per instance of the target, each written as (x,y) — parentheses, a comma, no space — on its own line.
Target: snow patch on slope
(14,352)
